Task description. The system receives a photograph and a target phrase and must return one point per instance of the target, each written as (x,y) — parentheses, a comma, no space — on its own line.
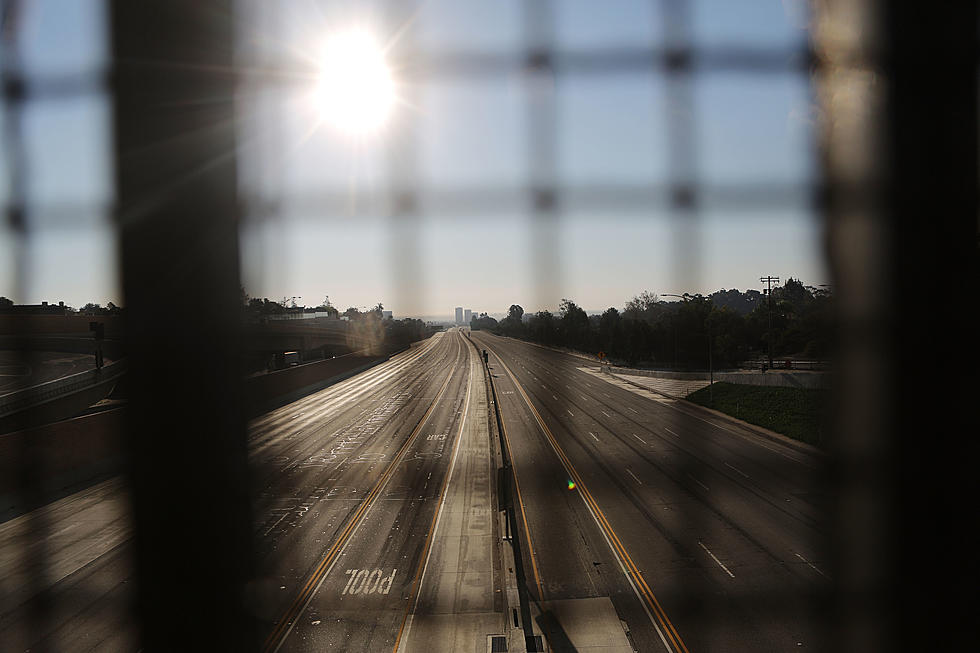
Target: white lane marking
(727,571)
(593,436)
(442,503)
(634,410)
(671,432)
(737,470)
(350,537)
(606,414)
(584,398)
(605,536)
(639,438)
(555,396)
(368,582)
(706,489)
(570,412)
(634,476)
(810,565)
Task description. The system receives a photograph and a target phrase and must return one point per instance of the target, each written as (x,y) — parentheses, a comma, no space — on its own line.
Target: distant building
(43,308)
(386,315)
(467,316)
(459,315)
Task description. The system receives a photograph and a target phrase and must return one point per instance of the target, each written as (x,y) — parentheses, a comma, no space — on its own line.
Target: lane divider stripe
(618,548)
(285,624)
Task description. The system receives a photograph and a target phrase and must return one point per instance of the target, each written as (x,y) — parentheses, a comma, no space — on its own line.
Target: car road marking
(810,565)
(727,570)
(365,581)
(737,470)
(706,488)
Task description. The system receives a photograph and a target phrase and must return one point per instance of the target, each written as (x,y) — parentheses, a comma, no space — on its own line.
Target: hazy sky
(466,134)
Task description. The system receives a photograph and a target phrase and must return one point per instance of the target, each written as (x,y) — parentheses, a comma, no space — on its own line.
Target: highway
(375,527)
(705,535)
(347,485)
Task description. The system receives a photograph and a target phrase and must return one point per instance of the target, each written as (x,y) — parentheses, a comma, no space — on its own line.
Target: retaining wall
(771,378)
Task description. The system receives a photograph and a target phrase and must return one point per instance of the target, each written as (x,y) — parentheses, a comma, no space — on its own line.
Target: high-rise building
(467,316)
(459,315)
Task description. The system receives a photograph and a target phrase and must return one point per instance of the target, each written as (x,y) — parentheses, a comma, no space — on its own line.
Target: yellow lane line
(520,502)
(277,636)
(527,529)
(424,559)
(616,544)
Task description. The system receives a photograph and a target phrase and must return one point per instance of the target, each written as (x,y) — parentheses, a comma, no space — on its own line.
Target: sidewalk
(674,388)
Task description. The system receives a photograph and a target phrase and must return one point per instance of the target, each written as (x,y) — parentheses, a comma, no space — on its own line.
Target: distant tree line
(367,329)
(652,332)
(7,306)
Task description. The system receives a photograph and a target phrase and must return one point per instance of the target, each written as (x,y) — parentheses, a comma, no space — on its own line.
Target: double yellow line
(665,627)
(299,603)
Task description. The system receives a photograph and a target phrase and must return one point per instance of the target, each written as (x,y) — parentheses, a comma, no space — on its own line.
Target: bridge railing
(26,397)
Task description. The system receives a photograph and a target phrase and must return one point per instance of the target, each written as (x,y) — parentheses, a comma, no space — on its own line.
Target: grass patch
(800,413)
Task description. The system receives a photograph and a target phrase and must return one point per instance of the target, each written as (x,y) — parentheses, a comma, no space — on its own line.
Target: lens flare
(571,485)
(355,90)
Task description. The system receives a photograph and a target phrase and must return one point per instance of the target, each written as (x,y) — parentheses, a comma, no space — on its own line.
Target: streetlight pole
(769,280)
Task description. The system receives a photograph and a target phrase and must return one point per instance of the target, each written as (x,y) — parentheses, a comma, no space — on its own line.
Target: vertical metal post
(177,216)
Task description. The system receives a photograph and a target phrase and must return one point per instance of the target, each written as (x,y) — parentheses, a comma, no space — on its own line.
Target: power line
(769,280)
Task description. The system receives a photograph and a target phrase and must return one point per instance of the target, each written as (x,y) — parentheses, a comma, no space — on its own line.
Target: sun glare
(354,88)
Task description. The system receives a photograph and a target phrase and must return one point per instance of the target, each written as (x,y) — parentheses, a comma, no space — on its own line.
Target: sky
(331,231)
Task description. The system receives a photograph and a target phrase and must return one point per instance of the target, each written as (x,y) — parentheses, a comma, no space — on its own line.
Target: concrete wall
(57,456)
(66,453)
(812,380)
(266,391)
(771,378)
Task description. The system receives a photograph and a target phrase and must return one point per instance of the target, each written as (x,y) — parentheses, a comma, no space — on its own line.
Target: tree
(645,306)
(484,321)
(610,333)
(575,325)
(513,324)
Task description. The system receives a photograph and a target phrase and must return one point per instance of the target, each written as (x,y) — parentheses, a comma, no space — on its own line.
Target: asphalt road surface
(705,535)
(347,485)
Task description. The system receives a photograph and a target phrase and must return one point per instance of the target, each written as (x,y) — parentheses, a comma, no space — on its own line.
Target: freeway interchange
(642,522)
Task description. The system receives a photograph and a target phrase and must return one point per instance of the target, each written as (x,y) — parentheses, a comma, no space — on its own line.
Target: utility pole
(769,280)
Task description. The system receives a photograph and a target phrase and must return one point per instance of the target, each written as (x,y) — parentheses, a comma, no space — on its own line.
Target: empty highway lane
(705,535)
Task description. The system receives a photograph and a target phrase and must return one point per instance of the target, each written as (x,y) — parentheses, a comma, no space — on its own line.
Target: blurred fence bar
(898,90)
(177,217)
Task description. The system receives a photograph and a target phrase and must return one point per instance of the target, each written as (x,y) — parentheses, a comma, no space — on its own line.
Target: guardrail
(24,398)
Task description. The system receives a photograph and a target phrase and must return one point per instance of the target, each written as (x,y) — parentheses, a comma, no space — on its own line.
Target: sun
(355,91)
